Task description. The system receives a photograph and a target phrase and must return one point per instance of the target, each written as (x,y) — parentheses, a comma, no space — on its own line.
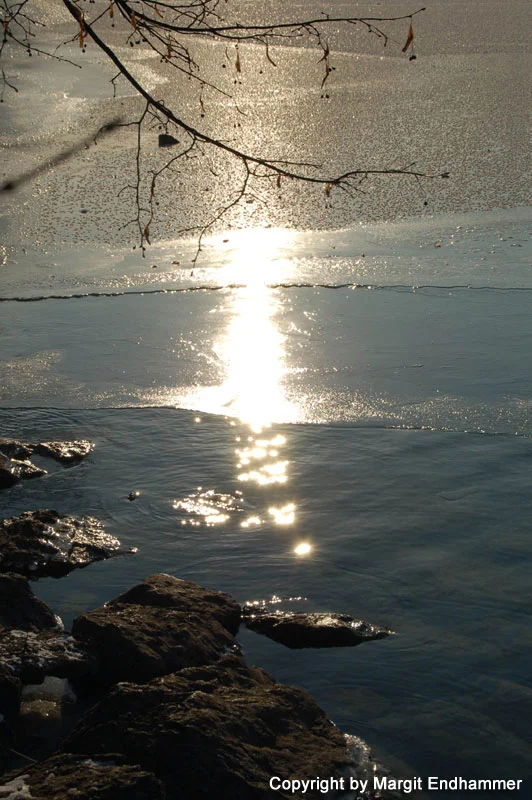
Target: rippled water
(344,425)
(338,416)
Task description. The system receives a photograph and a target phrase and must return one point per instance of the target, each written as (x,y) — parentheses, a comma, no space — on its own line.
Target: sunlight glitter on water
(283,516)
(209,506)
(251,350)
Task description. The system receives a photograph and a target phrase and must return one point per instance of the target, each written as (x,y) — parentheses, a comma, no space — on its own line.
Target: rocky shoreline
(167,706)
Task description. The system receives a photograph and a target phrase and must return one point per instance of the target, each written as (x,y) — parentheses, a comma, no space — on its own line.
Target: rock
(218,731)
(138,642)
(67,776)
(15,449)
(65,452)
(168,592)
(46,543)
(12,471)
(16,466)
(29,657)
(10,691)
(19,608)
(298,630)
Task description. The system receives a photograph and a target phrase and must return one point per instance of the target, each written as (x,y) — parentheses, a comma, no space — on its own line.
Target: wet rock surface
(138,642)
(20,609)
(65,452)
(13,471)
(12,448)
(15,464)
(62,776)
(29,657)
(217,731)
(298,630)
(165,591)
(193,719)
(46,543)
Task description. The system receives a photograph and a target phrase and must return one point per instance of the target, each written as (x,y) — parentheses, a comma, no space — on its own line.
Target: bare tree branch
(163,27)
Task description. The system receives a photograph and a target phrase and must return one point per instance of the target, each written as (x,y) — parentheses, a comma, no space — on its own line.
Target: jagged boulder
(216,731)
(298,630)
(165,591)
(46,543)
(138,642)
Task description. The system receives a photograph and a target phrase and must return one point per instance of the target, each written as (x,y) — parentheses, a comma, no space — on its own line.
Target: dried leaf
(409,39)
(278,181)
(237,62)
(147,233)
(111,9)
(327,189)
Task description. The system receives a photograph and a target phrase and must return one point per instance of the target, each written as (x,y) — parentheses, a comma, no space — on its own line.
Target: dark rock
(12,471)
(138,642)
(298,630)
(164,591)
(10,691)
(219,731)
(46,543)
(19,608)
(64,776)
(30,657)
(65,452)
(15,449)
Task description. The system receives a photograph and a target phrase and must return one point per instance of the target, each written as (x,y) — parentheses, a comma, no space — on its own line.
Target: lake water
(381,417)
(341,416)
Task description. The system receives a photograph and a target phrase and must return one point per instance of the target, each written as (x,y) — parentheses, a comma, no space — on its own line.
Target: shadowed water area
(338,415)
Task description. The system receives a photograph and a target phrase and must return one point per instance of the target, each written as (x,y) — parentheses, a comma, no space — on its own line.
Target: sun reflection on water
(251,351)
(250,354)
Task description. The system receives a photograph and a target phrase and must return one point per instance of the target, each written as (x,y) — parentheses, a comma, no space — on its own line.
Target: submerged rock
(20,609)
(46,543)
(218,731)
(12,471)
(165,591)
(29,657)
(62,776)
(297,630)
